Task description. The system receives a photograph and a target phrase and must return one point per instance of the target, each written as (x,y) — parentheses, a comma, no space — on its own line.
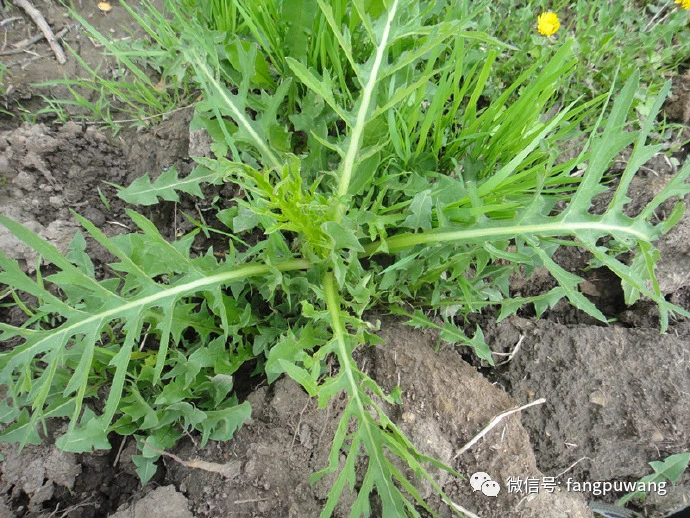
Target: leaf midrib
(171,293)
(558,228)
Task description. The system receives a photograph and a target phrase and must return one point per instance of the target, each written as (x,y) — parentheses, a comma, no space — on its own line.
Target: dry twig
(493,423)
(572,466)
(10,20)
(229,471)
(119,451)
(20,46)
(41,23)
(512,353)
(465,512)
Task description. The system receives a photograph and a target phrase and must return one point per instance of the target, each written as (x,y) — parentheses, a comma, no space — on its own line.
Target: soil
(616,397)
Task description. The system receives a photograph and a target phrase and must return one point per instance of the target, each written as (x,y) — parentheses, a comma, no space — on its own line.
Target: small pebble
(74,172)
(56,201)
(94,215)
(5,169)
(408,417)
(598,398)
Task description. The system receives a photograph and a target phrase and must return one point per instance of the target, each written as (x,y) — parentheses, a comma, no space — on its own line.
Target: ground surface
(617,397)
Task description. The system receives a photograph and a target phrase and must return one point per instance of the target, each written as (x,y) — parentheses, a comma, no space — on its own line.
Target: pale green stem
(155,299)
(241,272)
(348,163)
(345,366)
(403,241)
(240,116)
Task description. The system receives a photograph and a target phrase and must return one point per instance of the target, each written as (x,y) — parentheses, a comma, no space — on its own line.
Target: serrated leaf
(173,392)
(290,349)
(452,334)
(480,347)
(671,468)
(204,357)
(190,415)
(323,87)
(88,436)
(221,425)
(146,467)
(77,255)
(151,324)
(237,54)
(13,276)
(140,296)
(300,375)
(346,476)
(418,319)
(139,408)
(343,239)
(144,192)
(420,211)
(246,219)
(186,316)
(569,283)
(221,385)
(22,431)
(7,413)
(234,105)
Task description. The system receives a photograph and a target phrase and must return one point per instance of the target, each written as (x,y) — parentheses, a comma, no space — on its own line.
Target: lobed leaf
(81,329)
(144,192)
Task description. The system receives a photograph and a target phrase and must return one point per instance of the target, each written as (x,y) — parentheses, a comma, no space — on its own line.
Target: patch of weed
(383,178)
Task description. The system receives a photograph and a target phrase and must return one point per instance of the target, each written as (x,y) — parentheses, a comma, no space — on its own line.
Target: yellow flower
(685,4)
(105,7)
(548,23)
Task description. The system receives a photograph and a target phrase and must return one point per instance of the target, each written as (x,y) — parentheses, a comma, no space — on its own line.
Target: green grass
(149,80)
(389,160)
(611,41)
(670,469)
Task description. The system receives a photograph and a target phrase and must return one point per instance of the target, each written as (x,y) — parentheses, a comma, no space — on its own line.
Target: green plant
(612,41)
(3,71)
(385,180)
(129,89)
(671,468)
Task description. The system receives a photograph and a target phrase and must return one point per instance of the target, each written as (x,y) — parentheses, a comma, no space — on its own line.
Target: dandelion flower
(685,4)
(548,23)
